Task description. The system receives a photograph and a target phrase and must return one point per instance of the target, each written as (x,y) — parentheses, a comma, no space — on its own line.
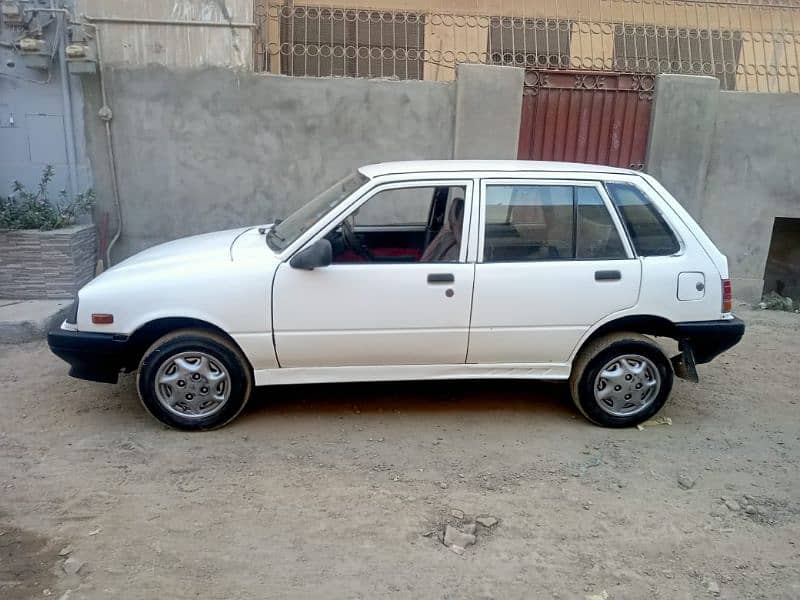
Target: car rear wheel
(621,380)
(194,380)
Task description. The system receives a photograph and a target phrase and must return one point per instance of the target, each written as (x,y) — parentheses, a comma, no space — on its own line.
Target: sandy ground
(342,491)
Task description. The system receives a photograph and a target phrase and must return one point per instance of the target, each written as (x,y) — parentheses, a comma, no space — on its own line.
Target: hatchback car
(420,270)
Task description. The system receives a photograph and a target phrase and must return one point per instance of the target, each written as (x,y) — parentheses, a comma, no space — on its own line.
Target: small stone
(713,587)
(686,481)
(486,521)
(732,505)
(66,550)
(443,485)
(454,537)
(457,549)
(750,509)
(72,565)
(457,514)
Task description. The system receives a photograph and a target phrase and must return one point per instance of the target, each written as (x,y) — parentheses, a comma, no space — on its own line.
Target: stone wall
(46,264)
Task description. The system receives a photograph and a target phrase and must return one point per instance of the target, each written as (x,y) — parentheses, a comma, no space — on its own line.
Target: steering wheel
(351,241)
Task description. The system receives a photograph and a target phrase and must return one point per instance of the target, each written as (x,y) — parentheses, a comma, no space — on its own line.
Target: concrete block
(26,320)
(681,133)
(488,111)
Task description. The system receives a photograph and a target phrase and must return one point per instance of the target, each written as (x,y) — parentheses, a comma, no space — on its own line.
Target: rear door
(552,260)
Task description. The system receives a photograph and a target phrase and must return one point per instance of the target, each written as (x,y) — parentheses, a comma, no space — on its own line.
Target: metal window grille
(355,43)
(648,49)
(532,43)
(751,45)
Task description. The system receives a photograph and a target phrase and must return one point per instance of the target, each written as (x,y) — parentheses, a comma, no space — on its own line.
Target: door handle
(607,275)
(441,278)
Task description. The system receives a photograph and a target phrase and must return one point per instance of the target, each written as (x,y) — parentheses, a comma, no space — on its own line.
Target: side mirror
(318,254)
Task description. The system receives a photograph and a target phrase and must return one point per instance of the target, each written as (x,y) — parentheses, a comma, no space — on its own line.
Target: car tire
(621,380)
(194,380)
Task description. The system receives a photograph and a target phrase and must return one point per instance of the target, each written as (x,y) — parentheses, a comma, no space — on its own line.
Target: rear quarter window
(649,232)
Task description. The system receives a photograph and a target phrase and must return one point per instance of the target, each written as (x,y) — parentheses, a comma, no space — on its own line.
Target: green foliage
(33,209)
(774,301)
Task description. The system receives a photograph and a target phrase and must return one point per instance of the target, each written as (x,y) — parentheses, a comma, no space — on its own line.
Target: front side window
(403,225)
(649,232)
(527,222)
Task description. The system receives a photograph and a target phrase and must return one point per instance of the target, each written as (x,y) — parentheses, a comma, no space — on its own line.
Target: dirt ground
(342,491)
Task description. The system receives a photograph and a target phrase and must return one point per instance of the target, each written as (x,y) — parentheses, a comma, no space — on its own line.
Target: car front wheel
(621,380)
(194,380)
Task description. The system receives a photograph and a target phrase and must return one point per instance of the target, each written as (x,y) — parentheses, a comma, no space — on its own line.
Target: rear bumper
(92,356)
(709,339)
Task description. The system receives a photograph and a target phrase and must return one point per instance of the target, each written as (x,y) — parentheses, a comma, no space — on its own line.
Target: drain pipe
(66,93)
(106,115)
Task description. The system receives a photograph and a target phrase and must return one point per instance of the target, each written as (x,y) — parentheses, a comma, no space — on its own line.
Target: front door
(551,262)
(399,290)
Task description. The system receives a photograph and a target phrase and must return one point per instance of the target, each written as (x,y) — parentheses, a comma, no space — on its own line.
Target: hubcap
(192,384)
(627,385)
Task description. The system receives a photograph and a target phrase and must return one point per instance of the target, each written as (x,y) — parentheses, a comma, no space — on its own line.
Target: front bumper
(709,339)
(92,356)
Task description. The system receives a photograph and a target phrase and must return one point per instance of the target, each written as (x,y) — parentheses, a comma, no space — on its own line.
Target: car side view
(420,270)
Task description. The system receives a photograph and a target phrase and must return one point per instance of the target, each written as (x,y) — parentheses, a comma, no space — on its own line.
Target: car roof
(509,166)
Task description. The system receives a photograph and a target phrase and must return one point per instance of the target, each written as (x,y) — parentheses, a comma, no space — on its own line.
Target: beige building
(749,45)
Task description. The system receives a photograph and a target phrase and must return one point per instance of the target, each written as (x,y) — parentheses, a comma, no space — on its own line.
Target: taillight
(727,296)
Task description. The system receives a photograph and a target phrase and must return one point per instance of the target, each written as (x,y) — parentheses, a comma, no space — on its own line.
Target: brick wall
(46,264)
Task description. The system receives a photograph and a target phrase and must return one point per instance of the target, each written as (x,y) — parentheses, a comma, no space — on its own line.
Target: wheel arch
(143,337)
(642,324)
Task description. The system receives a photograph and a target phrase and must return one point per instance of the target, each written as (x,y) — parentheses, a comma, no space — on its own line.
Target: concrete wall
(736,176)
(753,177)
(204,149)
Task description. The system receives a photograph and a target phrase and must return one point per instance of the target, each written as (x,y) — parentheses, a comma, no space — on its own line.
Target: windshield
(296,224)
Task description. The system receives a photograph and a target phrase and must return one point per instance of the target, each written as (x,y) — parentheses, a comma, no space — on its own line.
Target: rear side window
(532,222)
(649,232)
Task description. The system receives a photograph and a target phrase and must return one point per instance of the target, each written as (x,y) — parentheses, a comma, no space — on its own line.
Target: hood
(208,246)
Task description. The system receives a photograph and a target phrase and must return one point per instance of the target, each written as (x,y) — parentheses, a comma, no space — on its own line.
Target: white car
(420,270)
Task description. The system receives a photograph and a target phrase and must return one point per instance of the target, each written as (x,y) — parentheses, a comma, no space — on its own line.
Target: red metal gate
(586,117)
